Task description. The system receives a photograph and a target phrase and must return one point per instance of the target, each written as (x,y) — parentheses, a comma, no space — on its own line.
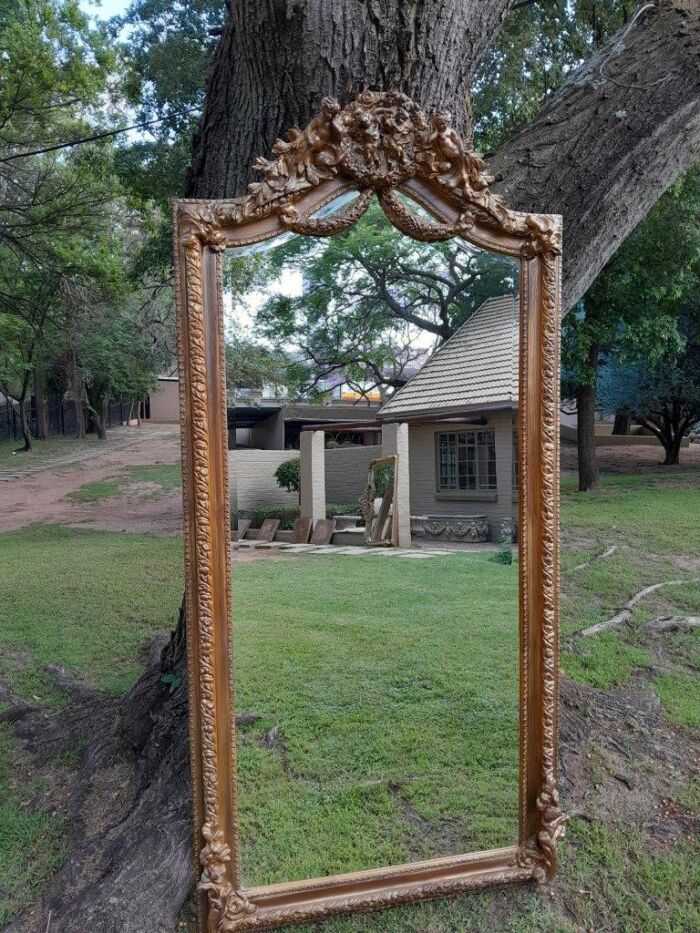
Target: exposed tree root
(626,611)
(129,853)
(673,623)
(608,552)
(129,848)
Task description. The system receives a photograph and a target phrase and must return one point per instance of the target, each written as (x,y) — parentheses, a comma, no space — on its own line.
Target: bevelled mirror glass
(368,349)
(379,675)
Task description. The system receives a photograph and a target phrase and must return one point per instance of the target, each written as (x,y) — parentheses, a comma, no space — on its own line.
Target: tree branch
(607,145)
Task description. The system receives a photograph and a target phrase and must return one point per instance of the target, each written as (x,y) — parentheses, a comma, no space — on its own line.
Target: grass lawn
(392,686)
(352,775)
(59,448)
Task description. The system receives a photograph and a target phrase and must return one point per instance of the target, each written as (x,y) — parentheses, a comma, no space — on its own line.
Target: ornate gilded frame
(379,145)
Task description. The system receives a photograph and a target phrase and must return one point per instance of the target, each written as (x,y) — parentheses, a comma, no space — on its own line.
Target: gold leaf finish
(380,145)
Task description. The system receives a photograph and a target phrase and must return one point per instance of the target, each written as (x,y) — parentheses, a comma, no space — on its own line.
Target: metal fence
(60,417)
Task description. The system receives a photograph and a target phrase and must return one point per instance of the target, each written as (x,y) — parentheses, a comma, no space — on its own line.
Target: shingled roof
(476,369)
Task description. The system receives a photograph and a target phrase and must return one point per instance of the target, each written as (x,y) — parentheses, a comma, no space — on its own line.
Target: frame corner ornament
(226,905)
(381,145)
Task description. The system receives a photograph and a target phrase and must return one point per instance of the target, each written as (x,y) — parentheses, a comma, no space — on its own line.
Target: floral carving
(226,905)
(451,527)
(377,142)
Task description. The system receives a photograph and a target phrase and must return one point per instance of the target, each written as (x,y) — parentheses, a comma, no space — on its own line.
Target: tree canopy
(369,299)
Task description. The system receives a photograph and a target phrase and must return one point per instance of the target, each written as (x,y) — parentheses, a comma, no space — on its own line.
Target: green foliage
(67,234)
(252,366)
(663,395)
(537,48)
(504,552)
(383,475)
(367,295)
(633,308)
(288,475)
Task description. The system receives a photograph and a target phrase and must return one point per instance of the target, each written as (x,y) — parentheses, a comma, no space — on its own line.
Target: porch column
(313,475)
(395,442)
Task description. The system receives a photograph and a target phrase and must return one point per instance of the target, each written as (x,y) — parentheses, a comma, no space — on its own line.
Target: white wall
(252,476)
(165,401)
(423,484)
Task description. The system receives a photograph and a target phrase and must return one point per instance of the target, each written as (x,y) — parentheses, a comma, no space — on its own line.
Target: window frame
(477,493)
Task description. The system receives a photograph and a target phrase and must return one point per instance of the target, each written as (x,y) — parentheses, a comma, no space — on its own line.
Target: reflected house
(460,409)
(453,427)
(261,421)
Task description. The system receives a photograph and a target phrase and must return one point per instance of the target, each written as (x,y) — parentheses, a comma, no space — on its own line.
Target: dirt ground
(643,459)
(41,495)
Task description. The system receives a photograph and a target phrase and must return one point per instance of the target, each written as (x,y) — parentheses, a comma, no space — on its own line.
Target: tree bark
(588,473)
(623,422)
(98,413)
(79,413)
(276,61)
(24,423)
(42,424)
(673,452)
(601,151)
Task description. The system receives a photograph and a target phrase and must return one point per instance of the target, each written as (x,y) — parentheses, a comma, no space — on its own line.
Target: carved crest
(378,142)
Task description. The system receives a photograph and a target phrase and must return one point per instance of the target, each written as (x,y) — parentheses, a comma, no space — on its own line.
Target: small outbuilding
(453,429)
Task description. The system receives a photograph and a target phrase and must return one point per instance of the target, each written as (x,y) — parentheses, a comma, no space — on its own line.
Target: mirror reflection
(372,405)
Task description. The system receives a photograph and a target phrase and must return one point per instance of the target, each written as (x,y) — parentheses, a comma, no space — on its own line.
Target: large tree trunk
(623,422)
(673,451)
(588,474)
(24,424)
(42,422)
(277,60)
(629,122)
(98,414)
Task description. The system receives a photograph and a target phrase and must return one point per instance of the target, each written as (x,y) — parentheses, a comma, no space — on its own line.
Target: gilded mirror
(375,723)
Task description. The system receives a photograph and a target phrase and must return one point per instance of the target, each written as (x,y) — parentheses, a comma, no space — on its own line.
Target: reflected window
(466,460)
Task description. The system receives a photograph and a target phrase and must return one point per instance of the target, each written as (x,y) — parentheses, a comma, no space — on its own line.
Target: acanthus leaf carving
(377,142)
(226,905)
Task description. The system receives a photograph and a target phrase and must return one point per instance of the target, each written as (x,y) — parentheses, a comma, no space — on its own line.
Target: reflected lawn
(388,689)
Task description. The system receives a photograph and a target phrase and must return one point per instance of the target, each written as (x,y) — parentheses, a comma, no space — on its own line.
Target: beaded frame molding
(379,145)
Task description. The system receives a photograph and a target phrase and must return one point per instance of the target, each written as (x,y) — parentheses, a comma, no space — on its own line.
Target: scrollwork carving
(377,142)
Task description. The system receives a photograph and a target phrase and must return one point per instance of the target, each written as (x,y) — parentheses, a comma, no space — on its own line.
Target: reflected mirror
(377,502)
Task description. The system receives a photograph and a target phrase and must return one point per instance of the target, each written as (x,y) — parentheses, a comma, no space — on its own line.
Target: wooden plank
(323,531)
(301,531)
(240,532)
(268,529)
